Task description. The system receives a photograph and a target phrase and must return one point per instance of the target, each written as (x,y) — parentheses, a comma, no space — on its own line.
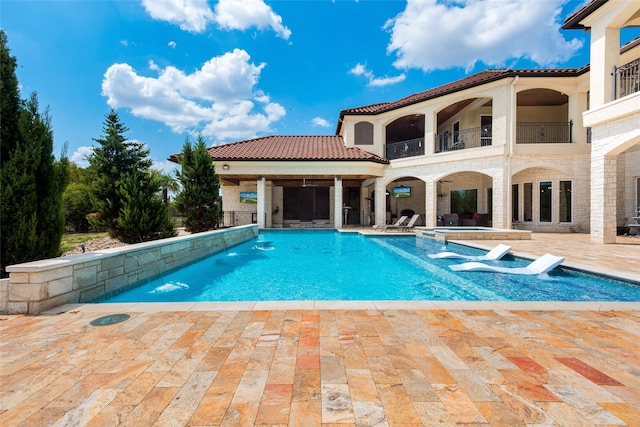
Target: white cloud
(81,155)
(386,81)
(274,111)
(172,44)
(219,100)
(439,35)
(153,66)
(191,15)
(194,15)
(361,70)
(165,166)
(319,121)
(243,14)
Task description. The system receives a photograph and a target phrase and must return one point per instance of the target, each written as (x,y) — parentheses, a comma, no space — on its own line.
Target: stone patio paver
(343,367)
(322,363)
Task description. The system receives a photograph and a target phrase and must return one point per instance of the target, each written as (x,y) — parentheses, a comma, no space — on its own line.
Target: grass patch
(70,241)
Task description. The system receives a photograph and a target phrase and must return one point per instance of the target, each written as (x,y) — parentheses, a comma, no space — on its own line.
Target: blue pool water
(328,265)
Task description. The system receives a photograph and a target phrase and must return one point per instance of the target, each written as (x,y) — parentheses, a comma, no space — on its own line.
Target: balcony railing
(468,138)
(402,149)
(626,79)
(543,133)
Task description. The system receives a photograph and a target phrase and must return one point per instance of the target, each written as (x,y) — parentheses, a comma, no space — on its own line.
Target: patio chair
(494,254)
(384,227)
(409,226)
(544,264)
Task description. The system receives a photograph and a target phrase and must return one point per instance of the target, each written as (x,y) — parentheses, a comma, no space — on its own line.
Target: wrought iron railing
(468,138)
(626,79)
(235,218)
(543,133)
(402,149)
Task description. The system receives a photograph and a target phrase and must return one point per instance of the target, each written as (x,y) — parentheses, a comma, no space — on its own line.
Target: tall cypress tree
(31,180)
(198,200)
(9,103)
(115,158)
(51,176)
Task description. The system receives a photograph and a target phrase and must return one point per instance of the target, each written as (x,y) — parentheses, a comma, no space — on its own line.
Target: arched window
(364,133)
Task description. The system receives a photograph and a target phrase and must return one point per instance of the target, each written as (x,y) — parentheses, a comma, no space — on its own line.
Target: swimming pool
(329,265)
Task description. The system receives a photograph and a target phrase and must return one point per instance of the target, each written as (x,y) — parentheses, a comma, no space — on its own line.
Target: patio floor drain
(109,320)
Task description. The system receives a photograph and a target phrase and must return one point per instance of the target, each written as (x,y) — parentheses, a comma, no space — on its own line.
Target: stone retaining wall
(38,286)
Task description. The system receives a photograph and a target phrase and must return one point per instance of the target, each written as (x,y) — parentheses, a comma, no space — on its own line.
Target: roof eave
(508,73)
(277,159)
(417,101)
(573,22)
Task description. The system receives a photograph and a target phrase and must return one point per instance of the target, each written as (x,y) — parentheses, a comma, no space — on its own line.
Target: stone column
(261,208)
(430,204)
(381,203)
(578,104)
(502,198)
(603,198)
(605,52)
(337,205)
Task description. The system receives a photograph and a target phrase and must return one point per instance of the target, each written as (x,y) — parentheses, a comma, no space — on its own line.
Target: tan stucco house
(547,150)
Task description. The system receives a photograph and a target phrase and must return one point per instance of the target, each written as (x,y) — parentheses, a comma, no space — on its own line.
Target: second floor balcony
(543,133)
(468,138)
(526,133)
(626,79)
(402,149)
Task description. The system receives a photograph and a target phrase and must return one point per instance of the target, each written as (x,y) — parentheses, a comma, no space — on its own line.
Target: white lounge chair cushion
(544,264)
(496,253)
(411,224)
(400,221)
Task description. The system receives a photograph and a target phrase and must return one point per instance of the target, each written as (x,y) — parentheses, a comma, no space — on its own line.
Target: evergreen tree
(144,214)
(51,177)
(76,200)
(10,105)
(198,200)
(32,183)
(112,160)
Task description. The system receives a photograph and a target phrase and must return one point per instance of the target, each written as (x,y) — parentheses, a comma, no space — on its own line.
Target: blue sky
(236,69)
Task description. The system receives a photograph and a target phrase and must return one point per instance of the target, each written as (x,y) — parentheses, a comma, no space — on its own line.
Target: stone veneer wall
(38,286)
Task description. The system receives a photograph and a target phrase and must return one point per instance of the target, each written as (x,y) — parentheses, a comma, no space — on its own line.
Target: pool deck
(334,363)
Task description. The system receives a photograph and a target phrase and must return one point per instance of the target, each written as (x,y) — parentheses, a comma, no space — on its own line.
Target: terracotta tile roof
(477,79)
(291,148)
(467,82)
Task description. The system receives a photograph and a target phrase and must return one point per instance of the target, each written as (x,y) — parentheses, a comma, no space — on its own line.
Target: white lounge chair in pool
(496,253)
(383,227)
(544,264)
(410,225)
